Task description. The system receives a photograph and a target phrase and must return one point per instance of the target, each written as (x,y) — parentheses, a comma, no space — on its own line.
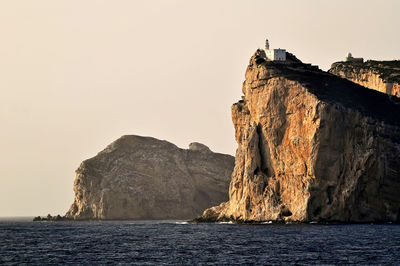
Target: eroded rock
(146,178)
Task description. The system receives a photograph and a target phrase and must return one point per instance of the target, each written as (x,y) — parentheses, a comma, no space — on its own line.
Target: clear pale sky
(77,75)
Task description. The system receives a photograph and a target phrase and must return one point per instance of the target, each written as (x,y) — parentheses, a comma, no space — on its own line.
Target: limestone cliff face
(146,178)
(311,147)
(383,76)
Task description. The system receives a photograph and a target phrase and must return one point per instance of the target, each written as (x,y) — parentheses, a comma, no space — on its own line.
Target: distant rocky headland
(313,147)
(383,76)
(143,178)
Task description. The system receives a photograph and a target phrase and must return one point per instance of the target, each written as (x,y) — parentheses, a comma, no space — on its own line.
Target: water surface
(171,242)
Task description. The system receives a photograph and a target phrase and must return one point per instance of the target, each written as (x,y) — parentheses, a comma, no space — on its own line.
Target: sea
(24,242)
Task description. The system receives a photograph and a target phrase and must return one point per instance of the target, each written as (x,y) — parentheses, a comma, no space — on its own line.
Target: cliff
(383,76)
(146,178)
(311,147)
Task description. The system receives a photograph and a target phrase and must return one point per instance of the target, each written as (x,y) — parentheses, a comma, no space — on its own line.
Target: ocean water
(178,243)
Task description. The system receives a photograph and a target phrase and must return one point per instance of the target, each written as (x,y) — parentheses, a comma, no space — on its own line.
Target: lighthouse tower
(274,54)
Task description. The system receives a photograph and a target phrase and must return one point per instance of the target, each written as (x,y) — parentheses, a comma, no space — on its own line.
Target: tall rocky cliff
(146,178)
(383,76)
(311,147)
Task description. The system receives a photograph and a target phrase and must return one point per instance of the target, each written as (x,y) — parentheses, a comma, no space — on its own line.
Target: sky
(76,75)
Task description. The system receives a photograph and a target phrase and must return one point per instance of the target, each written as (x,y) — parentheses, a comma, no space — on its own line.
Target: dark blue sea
(177,243)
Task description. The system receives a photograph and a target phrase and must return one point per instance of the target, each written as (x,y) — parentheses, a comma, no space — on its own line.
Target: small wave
(230,222)
(181,222)
(267,222)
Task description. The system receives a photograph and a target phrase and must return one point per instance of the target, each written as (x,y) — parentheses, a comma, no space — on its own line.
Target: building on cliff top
(350,58)
(274,54)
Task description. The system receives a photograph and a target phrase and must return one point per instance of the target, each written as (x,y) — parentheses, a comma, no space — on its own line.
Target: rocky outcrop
(50,218)
(383,76)
(146,178)
(311,147)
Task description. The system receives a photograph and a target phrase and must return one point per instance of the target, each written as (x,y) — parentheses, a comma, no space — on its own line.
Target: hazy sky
(76,75)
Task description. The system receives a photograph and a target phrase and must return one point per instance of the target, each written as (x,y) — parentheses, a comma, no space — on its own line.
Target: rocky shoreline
(201,220)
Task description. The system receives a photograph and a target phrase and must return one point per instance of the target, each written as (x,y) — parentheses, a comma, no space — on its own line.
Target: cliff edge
(311,147)
(145,178)
(383,76)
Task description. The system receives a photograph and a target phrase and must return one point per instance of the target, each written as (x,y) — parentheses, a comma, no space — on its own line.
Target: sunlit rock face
(146,178)
(383,76)
(311,147)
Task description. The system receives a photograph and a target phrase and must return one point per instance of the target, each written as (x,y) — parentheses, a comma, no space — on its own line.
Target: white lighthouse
(274,54)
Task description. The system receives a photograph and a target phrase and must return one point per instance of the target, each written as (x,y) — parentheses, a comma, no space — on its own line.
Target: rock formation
(383,76)
(311,147)
(145,178)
